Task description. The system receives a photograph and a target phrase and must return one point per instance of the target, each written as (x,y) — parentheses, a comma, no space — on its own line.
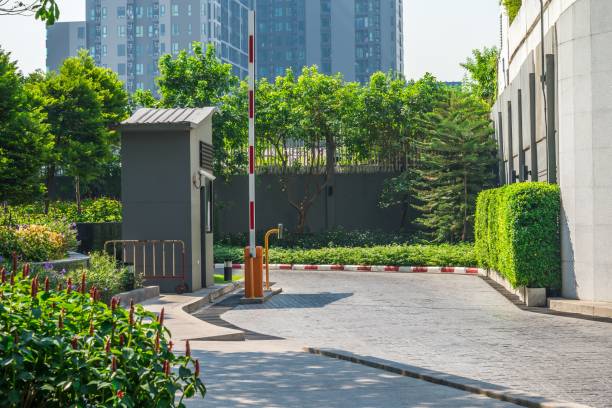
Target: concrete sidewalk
(182,324)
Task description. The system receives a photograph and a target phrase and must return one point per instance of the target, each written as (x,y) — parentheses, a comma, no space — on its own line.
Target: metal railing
(153,259)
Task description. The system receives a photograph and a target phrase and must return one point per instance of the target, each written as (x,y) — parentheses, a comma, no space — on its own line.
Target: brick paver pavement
(453,324)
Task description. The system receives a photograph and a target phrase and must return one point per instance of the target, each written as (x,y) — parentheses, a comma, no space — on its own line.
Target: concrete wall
(354,203)
(580,158)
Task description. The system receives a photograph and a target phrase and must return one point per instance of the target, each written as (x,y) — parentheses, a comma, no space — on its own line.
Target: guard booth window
(209,205)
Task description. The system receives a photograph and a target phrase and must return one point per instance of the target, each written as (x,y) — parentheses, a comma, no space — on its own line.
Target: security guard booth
(167,194)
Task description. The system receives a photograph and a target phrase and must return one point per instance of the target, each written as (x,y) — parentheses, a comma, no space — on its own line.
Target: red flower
(83,283)
(166,367)
(161,317)
(114,364)
(120,394)
(69,286)
(107,346)
(187,349)
(131,315)
(74,342)
(3,273)
(197,368)
(170,344)
(121,340)
(91,328)
(26,270)
(47,284)
(34,287)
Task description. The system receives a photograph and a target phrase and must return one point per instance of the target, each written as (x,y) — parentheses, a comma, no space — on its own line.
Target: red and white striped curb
(369,268)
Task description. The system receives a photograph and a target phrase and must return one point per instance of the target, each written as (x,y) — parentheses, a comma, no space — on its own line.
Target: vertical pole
(252,133)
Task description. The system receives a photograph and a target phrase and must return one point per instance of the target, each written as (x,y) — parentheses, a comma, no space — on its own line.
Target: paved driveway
(447,323)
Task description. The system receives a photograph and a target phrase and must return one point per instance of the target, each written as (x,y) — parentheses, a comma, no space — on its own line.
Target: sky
(439,34)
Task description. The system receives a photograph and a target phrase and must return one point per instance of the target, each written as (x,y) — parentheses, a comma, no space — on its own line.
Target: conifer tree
(457,162)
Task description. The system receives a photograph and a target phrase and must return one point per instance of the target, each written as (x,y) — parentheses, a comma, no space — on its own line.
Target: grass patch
(219,279)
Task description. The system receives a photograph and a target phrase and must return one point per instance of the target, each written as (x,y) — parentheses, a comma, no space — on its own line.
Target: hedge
(391,255)
(92,210)
(517,233)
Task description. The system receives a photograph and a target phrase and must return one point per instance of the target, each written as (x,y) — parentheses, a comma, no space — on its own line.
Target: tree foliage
(457,161)
(44,10)
(512,8)
(81,102)
(23,138)
(481,76)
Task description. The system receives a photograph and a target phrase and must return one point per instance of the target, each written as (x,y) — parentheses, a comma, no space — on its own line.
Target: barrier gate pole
(252,249)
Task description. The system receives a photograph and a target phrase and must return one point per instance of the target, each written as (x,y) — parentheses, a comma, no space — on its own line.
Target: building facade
(129,36)
(64,40)
(353,37)
(553,118)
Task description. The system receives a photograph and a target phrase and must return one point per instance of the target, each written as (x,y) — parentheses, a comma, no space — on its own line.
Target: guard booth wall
(166,189)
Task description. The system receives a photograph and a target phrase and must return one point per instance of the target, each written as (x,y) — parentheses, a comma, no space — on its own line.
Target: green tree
(457,161)
(81,102)
(23,138)
(512,8)
(418,99)
(196,80)
(481,78)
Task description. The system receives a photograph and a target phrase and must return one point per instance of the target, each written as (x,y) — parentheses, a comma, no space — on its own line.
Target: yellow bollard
(279,232)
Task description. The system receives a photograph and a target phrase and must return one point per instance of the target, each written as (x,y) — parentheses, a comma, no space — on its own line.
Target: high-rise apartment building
(64,40)
(129,36)
(353,37)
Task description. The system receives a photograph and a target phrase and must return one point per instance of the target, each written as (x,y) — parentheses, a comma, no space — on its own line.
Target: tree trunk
(50,184)
(77,193)
(465,209)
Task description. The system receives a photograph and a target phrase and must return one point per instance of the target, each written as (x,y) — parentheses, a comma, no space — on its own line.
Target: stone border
(457,270)
(212,296)
(73,261)
(461,383)
(531,297)
(138,295)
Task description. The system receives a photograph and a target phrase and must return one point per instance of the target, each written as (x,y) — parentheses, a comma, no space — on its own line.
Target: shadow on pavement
(294,379)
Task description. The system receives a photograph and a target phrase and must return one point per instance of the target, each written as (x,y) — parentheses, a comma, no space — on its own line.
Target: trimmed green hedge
(391,255)
(517,233)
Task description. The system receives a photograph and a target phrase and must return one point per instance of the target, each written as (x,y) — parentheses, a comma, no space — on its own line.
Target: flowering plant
(62,347)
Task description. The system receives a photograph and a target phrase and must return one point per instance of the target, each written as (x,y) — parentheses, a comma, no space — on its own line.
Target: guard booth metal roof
(177,118)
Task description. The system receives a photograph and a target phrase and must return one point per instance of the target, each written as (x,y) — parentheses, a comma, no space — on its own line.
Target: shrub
(63,348)
(39,243)
(107,276)
(517,233)
(92,210)
(338,237)
(392,255)
(100,210)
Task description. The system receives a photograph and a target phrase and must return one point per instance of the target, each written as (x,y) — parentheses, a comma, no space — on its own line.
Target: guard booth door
(206,222)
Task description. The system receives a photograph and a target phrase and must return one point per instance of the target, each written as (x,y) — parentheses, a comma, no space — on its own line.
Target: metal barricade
(153,259)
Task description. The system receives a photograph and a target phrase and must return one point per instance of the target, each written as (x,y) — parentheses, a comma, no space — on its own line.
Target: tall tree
(81,102)
(194,80)
(457,161)
(481,79)
(23,138)
(418,98)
